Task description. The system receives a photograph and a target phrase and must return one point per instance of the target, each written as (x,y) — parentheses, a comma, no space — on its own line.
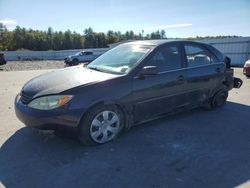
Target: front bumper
(68,61)
(60,118)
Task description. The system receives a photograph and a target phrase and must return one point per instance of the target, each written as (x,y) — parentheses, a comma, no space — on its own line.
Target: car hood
(64,79)
(72,56)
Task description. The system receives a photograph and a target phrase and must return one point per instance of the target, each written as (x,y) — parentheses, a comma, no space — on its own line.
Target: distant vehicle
(83,56)
(2,59)
(246,69)
(128,85)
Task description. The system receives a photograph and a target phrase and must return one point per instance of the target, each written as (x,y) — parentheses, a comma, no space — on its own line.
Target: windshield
(120,60)
(78,53)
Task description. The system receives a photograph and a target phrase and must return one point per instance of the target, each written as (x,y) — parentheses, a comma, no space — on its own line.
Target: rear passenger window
(167,58)
(197,56)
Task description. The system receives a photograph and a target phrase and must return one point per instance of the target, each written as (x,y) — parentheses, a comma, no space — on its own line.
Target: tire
(100,125)
(218,100)
(75,62)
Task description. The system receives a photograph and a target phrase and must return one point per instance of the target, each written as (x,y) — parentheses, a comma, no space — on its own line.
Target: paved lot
(191,149)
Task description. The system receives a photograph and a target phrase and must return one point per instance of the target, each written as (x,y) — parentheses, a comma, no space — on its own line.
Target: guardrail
(46,55)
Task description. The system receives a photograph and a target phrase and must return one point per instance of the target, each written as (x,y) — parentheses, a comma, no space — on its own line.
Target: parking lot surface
(192,149)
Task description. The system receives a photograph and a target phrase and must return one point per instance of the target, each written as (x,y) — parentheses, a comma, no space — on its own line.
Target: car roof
(160,42)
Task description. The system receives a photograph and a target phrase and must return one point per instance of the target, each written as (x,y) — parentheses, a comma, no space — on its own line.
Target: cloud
(8,21)
(169,26)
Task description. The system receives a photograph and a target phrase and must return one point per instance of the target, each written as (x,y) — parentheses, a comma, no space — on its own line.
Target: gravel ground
(31,65)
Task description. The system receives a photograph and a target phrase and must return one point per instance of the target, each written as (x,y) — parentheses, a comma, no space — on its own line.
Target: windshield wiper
(94,68)
(100,69)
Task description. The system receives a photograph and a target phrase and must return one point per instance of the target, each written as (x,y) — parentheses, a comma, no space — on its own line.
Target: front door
(158,94)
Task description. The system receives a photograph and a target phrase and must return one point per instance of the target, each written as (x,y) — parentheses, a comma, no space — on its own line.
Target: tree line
(29,39)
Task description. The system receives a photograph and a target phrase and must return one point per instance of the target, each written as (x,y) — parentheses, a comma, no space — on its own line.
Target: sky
(179,18)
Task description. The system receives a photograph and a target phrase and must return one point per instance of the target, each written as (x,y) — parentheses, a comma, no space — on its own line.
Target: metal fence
(238,49)
(46,55)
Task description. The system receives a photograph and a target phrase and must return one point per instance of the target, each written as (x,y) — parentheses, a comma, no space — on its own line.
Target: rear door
(204,72)
(158,94)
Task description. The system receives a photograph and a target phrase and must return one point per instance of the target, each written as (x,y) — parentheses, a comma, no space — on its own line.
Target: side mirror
(149,70)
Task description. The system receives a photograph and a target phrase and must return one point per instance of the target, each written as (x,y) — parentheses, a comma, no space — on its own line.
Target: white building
(237,49)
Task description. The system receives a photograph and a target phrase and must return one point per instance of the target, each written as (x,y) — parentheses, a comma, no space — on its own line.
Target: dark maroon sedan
(129,84)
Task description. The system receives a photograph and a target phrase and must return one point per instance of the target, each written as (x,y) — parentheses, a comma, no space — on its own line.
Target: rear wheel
(101,125)
(219,99)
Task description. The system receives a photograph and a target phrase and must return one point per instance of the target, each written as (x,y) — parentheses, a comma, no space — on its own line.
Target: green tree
(77,41)
(111,38)
(49,38)
(18,38)
(67,40)
(163,34)
(4,40)
(21,38)
(88,38)
(29,40)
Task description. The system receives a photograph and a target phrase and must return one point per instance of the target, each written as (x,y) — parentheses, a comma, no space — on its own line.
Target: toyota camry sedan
(132,83)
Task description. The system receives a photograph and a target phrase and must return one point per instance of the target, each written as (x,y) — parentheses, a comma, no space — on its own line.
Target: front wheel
(75,62)
(101,125)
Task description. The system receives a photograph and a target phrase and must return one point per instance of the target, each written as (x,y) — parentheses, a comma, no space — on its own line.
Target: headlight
(50,102)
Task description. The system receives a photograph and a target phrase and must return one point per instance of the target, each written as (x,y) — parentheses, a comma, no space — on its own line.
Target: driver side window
(167,58)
